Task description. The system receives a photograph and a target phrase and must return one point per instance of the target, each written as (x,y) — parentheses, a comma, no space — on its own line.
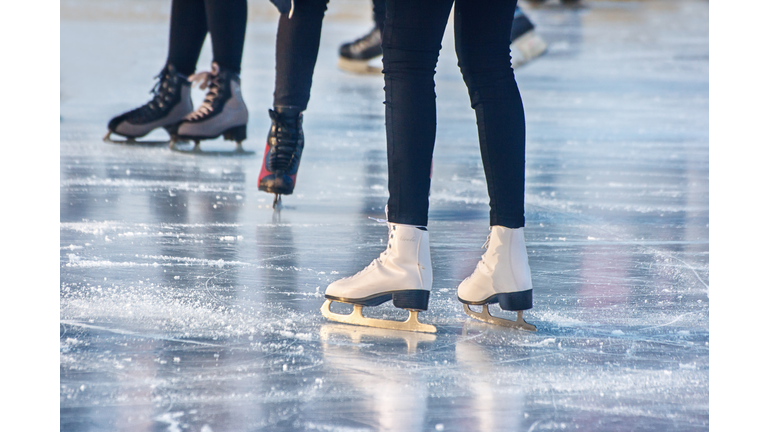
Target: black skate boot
(282,154)
(526,44)
(223,112)
(170,104)
(354,56)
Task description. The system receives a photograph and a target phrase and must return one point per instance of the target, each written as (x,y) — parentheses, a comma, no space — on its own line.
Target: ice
(179,263)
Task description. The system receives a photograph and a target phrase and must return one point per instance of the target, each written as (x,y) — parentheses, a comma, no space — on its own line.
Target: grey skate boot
(223,112)
(170,104)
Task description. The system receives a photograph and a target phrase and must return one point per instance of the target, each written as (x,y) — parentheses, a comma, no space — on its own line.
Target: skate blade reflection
(355,334)
(196,150)
(485,316)
(132,141)
(357,318)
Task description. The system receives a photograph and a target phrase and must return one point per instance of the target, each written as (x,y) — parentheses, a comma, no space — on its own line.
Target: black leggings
(412,34)
(379,13)
(298,41)
(190,22)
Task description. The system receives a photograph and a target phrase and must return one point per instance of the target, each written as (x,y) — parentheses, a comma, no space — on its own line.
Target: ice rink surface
(188,304)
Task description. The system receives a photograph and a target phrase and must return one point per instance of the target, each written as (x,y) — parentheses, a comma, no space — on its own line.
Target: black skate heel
(417,300)
(512,301)
(173,130)
(236,133)
(516,301)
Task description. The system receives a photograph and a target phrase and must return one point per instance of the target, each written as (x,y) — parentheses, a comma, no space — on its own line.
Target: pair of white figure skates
(403,274)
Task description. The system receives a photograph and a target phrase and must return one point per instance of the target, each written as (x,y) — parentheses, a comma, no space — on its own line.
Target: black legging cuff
(191,20)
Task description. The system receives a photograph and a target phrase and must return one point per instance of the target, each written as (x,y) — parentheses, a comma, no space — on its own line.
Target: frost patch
(172,420)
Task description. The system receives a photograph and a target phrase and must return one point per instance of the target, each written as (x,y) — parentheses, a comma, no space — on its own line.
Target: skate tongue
(204,78)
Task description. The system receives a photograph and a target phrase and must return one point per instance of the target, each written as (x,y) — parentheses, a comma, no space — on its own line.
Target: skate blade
(361,67)
(277,204)
(132,141)
(196,150)
(485,316)
(357,318)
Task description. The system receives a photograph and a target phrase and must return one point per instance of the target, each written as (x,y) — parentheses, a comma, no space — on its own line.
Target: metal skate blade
(357,318)
(196,150)
(485,316)
(277,204)
(356,334)
(132,142)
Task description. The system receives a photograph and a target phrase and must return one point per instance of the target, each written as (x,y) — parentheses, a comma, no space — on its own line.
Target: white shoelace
(485,246)
(204,80)
(381,257)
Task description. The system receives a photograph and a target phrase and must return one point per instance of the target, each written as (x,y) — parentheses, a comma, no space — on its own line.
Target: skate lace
(374,36)
(381,256)
(390,236)
(487,242)
(485,246)
(281,156)
(210,80)
(162,94)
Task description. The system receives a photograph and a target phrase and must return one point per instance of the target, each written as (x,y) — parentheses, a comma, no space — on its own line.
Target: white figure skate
(502,276)
(402,273)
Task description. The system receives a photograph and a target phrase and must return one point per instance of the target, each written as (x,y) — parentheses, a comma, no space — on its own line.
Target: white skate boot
(502,276)
(402,273)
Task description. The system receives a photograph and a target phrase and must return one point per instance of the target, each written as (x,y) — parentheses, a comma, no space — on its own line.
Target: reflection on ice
(494,405)
(388,395)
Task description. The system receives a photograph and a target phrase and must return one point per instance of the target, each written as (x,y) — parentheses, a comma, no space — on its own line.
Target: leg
(411,41)
(227,21)
(379,13)
(503,275)
(171,101)
(188,30)
(403,272)
(298,41)
(223,111)
(482,46)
